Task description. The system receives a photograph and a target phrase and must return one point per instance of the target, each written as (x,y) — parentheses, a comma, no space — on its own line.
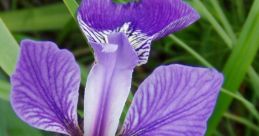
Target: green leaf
(12,126)
(199,6)
(36,19)
(84,73)
(126,107)
(72,6)
(254,81)
(238,64)
(8,49)
(242,121)
(191,51)
(5,88)
(222,17)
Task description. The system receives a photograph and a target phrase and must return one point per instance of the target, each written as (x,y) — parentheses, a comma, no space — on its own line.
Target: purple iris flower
(174,100)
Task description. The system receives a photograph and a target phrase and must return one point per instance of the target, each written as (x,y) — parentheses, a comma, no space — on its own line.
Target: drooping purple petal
(175,100)
(45,88)
(141,21)
(108,85)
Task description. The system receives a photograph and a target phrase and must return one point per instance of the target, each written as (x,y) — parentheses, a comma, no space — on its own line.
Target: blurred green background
(226,38)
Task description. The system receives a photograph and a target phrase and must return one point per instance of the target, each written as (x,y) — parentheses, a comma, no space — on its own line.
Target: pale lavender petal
(108,85)
(175,100)
(45,88)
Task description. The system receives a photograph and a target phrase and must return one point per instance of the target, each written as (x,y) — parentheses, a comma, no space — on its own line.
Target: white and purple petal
(148,16)
(141,21)
(45,88)
(108,85)
(139,41)
(174,100)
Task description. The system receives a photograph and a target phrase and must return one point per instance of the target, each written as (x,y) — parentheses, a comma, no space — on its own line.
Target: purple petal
(152,17)
(175,100)
(162,17)
(141,21)
(108,85)
(45,87)
(139,41)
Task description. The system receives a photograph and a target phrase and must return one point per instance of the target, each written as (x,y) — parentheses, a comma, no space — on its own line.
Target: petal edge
(45,87)
(174,100)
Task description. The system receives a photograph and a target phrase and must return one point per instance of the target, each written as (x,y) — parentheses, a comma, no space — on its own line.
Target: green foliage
(72,4)
(238,63)
(11,126)
(8,49)
(5,88)
(37,19)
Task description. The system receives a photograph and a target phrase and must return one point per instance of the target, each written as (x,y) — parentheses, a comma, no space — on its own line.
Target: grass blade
(206,14)
(72,6)
(223,19)
(254,81)
(5,88)
(8,49)
(11,126)
(242,121)
(37,19)
(191,51)
(238,64)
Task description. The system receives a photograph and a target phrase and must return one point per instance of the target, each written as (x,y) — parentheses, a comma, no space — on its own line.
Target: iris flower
(174,100)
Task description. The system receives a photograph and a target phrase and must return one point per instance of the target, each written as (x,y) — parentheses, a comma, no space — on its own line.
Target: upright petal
(45,88)
(139,41)
(175,100)
(141,21)
(152,17)
(108,85)
(162,17)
